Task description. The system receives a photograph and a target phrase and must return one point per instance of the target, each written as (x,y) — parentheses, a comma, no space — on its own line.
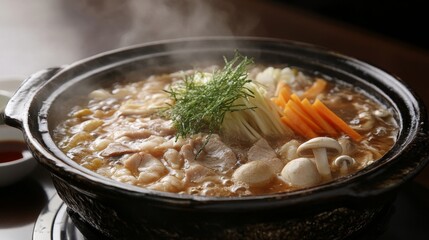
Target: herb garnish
(200,106)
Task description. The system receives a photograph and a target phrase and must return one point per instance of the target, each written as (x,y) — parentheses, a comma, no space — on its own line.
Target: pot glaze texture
(346,207)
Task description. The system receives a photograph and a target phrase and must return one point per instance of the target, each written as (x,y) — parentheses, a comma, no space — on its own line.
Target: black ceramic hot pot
(346,207)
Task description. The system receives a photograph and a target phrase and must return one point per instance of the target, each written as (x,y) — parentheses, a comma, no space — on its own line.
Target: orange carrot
(295,98)
(336,121)
(291,125)
(279,86)
(279,102)
(317,87)
(318,119)
(310,120)
(304,129)
(285,93)
(306,106)
(304,116)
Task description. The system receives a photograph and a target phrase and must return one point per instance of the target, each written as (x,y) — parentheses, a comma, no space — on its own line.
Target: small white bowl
(4,98)
(7,87)
(15,170)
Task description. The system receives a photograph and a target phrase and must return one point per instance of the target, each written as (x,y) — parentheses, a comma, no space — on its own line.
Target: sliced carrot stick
(336,121)
(279,86)
(304,116)
(295,98)
(317,88)
(285,93)
(308,108)
(279,102)
(291,125)
(305,130)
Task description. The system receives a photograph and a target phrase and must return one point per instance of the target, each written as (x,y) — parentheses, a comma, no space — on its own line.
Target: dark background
(406,21)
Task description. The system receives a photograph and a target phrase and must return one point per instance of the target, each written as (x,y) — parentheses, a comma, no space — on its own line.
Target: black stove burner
(408,220)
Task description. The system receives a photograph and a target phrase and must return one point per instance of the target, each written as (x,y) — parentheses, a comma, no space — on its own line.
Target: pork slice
(157,127)
(133,162)
(187,152)
(196,173)
(218,156)
(139,134)
(162,127)
(173,158)
(117,149)
(261,151)
(150,168)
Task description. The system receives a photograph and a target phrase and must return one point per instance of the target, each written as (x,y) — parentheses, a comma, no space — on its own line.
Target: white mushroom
(344,162)
(320,147)
(301,172)
(255,174)
(347,145)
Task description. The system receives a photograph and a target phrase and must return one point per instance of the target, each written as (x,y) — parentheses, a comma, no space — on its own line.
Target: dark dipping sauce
(12,150)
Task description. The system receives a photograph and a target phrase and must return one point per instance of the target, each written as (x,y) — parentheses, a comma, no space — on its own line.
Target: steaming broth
(124,133)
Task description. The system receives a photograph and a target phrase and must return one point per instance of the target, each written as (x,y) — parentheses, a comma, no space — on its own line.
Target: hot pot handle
(17,105)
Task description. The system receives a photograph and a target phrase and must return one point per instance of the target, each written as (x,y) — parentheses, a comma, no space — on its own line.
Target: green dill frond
(200,106)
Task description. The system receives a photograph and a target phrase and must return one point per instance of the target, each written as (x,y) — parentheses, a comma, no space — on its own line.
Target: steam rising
(109,24)
(167,19)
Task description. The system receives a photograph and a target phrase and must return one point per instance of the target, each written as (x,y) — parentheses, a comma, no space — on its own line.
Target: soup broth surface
(125,133)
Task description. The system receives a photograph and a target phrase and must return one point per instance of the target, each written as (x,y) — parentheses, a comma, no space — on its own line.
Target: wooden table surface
(38,34)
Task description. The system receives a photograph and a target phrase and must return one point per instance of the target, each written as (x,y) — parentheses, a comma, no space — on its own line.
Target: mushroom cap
(331,145)
(301,172)
(344,159)
(255,174)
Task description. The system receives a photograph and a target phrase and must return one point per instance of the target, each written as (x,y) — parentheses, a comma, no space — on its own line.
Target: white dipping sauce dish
(15,160)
